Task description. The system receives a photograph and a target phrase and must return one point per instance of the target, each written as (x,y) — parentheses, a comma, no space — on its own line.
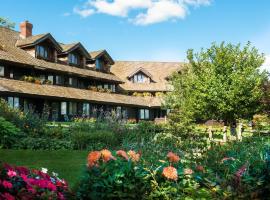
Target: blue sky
(160,30)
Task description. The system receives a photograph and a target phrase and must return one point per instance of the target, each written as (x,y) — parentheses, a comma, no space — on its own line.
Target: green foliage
(43,144)
(101,133)
(9,133)
(113,180)
(6,23)
(222,82)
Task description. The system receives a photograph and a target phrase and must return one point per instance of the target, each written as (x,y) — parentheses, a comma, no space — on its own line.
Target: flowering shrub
(22,183)
(239,170)
(125,175)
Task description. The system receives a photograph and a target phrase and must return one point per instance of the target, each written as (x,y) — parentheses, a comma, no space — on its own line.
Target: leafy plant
(9,133)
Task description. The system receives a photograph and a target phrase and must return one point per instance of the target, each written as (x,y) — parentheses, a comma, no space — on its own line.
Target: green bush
(9,134)
(94,139)
(43,144)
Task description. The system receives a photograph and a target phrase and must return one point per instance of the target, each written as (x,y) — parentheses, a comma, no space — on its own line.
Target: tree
(222,83)
(6,23)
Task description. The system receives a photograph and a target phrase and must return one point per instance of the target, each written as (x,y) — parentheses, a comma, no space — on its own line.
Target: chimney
(25,29)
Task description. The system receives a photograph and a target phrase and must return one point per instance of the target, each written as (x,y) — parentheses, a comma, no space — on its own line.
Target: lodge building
(37,71)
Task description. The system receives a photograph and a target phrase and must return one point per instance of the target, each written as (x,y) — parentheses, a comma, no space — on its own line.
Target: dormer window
(42,52)
(73,59)
(98,64)
(139,78)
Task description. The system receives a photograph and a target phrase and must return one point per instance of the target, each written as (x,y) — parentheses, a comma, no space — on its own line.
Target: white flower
(44,170)
(54,174)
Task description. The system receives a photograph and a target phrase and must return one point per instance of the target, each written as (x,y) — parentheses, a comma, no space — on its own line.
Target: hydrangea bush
(23,183)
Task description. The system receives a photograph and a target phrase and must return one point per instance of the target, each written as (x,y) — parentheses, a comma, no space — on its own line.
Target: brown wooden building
(36,70)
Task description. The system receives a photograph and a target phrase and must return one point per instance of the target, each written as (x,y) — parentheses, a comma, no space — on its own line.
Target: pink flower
(7,184)
(24,177)
(188,171)
(11,173)
(8,196)
(51,187)
(241,171)
(227,158)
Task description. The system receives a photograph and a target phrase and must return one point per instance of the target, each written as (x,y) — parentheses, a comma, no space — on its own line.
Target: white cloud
(144,12)
(119,8)
(266,64)
(84,12)
(161,11)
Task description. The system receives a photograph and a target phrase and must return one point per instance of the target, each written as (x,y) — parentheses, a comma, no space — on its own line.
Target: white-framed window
(113,87)
(139,78)
(13,102)
(73,59)
(2,71)
(50,78)
(72,108)
(86,109)
(144,114)
(63,108)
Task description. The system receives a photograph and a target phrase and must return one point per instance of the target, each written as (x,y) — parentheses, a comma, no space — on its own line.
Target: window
(72,108)
(86,109)
(50,78)
(73,59)
(106,86)
(59,80)
(13,102)
(98,64)
(139,78)
(63,108)
(113,88)
(144,114)
(11,74)
(73,82)
(2,71)
(42,52)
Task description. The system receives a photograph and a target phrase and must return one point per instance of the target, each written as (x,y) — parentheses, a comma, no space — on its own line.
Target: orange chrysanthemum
(106,155)
(170,173)
(173,158)
(93,158)
(122,154)
(135,157)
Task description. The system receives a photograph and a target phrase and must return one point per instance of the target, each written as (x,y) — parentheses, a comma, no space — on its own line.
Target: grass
(68,164)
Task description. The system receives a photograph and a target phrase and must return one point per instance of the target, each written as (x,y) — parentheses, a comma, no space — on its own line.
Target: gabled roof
(36,39)
(67,48)
(97,54)
(11,53)
(159,72)
(25,88)
(141,69)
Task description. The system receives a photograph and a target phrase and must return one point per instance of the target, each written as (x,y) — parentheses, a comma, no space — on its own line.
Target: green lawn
(68,164)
